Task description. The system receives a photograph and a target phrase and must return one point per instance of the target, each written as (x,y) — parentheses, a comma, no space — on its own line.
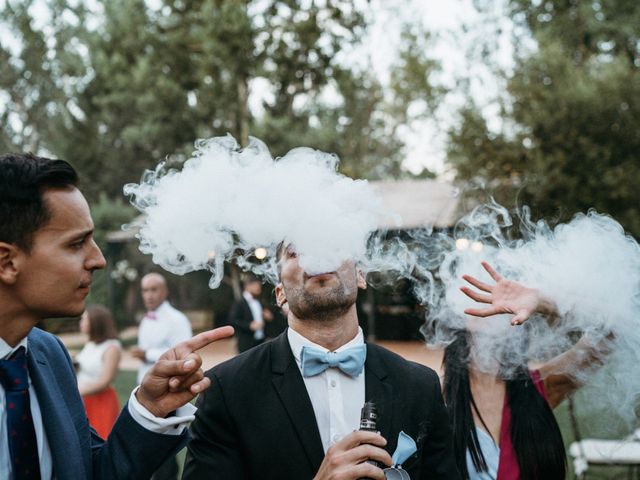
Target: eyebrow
(81,235)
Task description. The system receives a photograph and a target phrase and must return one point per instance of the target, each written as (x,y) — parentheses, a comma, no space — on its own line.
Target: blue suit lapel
(56,417)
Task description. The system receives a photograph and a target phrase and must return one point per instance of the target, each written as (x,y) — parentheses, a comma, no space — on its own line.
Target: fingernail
(189,364)
(196,388)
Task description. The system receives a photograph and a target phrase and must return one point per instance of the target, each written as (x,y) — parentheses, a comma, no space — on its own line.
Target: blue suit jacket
(131,451)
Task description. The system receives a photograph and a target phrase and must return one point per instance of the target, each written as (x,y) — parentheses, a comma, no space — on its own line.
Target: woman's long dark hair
(535,434)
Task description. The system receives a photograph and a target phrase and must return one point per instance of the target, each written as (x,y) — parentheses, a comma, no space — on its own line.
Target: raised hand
(505,296)
(176,378)
(346,459)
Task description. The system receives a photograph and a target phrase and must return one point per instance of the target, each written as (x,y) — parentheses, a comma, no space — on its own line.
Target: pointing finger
(203,339)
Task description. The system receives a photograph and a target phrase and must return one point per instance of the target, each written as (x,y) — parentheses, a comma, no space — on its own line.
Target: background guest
(247,315)
(98,366)
(162,327)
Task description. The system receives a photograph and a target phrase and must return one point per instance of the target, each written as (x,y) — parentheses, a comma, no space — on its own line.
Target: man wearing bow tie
(289,409)
(162,327)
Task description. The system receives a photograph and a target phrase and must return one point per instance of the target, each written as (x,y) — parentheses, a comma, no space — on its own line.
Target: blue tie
(350,360)
(23,447)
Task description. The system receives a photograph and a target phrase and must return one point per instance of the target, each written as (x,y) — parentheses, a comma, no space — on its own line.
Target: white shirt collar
(297,341)
(6,350)
(162,306)
(248,297)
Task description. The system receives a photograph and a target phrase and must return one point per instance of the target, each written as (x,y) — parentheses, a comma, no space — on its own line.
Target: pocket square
(405,448)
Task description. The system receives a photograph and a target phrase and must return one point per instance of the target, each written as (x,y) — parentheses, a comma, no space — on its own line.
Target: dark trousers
(167,471)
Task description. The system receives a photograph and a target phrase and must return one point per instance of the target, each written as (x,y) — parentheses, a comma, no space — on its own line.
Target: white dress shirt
(173,425)
(256,312)
(157,335)
(336,397)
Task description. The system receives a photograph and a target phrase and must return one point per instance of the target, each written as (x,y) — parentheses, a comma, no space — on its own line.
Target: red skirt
(102,410)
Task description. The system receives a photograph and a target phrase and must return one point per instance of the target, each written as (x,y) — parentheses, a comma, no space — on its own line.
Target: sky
(455,26)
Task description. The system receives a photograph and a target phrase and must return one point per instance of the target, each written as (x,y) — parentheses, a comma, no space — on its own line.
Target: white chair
(593,452)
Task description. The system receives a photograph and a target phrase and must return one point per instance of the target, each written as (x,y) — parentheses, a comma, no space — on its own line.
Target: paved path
(224,349)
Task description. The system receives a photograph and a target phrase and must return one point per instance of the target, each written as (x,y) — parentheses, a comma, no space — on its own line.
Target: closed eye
(78,245)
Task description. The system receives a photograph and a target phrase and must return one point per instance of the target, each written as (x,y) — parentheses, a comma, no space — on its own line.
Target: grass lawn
(126,381)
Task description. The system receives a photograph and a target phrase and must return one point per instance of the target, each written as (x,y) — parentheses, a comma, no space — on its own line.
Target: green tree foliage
(115,86)
(571,133)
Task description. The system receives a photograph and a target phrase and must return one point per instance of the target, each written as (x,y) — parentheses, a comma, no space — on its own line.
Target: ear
(281,298)
(361,279)
(8,262)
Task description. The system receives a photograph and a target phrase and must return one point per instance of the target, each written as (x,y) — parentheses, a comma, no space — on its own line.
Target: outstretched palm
(505,296)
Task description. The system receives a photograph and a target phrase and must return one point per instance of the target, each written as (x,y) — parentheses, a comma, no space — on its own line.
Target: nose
(95,260)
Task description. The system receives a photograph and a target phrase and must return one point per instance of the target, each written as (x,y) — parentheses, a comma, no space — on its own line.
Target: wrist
(149,404)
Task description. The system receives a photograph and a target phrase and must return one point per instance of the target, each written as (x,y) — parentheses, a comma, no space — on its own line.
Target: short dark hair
(101,325)
(23,180)
(281,248)
(250,278)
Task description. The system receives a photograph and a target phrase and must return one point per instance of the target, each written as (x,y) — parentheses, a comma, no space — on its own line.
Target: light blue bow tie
(350,360)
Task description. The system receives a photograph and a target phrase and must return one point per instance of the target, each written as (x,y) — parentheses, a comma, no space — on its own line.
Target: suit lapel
(291,389)
(56,417)
(380,391)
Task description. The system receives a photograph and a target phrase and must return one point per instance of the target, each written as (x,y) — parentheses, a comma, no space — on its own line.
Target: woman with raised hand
(501,412)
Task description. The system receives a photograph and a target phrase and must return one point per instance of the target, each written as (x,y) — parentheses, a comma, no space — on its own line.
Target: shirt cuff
(174,425)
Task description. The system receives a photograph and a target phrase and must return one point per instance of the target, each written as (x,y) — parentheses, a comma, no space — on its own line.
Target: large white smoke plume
(589,267)
(226,202)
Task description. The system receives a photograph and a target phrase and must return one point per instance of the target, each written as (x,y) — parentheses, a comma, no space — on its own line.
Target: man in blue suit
(47,258)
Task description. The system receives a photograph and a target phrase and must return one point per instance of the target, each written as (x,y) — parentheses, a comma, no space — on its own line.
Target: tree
(571,120)
(115,86)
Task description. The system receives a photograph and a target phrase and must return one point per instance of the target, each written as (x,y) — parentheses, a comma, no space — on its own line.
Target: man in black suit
(247,315)
(277,412)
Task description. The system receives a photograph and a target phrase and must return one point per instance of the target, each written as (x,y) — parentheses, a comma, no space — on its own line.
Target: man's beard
(321,306)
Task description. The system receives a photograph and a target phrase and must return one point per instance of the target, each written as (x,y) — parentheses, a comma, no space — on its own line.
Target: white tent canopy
(420,203)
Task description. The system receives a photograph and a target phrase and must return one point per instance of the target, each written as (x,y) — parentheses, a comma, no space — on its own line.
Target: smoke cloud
(226,202)
(589,267)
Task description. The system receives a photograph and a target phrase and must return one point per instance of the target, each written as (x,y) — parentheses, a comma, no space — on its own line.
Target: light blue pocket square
(406,447)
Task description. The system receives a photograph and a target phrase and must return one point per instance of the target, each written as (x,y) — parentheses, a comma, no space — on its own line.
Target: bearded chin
(327,306)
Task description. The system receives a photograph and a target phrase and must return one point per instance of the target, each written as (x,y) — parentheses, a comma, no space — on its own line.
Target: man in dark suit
(288,409)
(247,316)
(47,258)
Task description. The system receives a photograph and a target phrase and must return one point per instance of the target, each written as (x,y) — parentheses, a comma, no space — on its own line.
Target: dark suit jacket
(240,317)
(256,421)
(131,452)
